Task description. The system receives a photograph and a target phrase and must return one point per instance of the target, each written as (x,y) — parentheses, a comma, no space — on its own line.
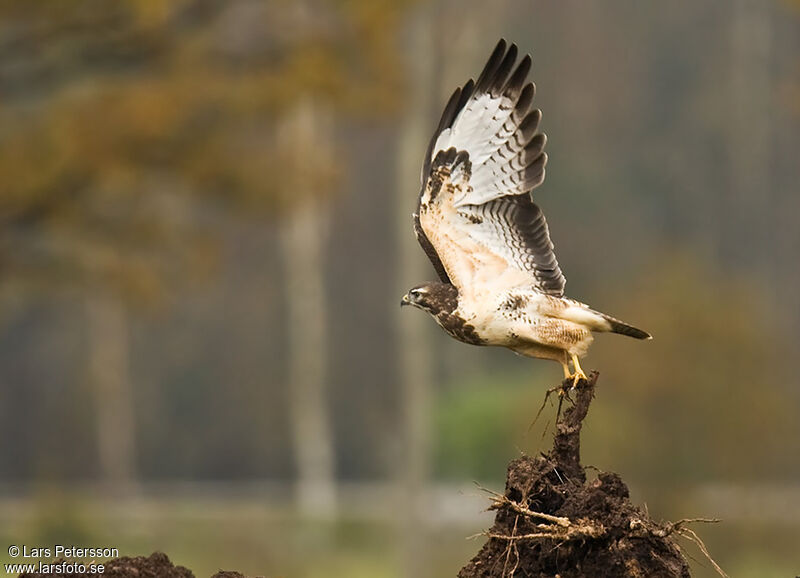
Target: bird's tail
(618,326)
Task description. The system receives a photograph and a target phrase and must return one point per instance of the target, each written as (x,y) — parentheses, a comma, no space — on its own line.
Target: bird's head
(432,297)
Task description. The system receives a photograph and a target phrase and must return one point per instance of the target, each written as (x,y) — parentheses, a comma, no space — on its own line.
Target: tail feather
(618,326)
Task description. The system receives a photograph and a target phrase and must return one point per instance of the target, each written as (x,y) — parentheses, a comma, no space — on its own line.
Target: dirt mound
(157,565)
(552,522)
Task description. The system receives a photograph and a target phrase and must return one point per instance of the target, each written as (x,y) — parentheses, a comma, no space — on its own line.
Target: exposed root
(691,535)
(679,528)
(499,500)
(579,530)
(512,547)
(563,390)
(555,528)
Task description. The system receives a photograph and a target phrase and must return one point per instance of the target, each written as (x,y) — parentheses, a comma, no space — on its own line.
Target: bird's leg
(565,367)
(562,389)
(579,374)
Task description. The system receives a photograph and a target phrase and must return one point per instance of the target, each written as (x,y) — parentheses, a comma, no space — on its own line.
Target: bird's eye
(413,293)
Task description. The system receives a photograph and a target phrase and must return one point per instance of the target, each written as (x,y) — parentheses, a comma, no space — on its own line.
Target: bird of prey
(500,283)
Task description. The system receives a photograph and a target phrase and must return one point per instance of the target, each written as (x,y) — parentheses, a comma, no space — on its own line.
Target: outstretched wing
(475,218)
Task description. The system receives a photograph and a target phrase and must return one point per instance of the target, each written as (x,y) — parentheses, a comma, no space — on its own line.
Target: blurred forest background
(205,232)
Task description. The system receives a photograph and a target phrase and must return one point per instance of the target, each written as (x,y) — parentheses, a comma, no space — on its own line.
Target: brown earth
(553,522)
(157,565)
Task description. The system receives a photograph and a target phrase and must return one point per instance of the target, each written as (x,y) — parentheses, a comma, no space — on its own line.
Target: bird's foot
(579,375)
(579,381)
(577,378)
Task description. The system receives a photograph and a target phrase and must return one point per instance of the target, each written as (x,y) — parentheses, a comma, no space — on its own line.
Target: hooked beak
(404,300)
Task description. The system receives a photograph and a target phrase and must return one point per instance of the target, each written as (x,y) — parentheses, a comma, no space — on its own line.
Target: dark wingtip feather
(499,49)
(534,172)
(530,124)
(535,146)
(466,94)
(488,72)
(498,79)
(517,79)
(524,101)
(450,110)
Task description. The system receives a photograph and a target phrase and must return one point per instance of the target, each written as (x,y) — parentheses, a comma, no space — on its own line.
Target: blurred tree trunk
(306,137)
(429,76)
(749,140)
(107,343)
(414,347)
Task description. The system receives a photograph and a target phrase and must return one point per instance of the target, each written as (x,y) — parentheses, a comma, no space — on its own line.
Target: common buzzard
(500,283)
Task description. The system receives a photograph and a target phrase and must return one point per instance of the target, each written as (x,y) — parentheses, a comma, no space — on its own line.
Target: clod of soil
(552,522)
(157,565)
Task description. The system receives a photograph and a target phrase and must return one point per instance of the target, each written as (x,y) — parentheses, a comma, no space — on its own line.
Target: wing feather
(515,228)
(483,161)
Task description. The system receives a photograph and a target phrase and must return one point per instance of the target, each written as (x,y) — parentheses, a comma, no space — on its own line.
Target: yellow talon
(579,374)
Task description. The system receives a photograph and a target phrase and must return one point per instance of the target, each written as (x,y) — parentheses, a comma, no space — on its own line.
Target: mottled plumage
(500,282)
